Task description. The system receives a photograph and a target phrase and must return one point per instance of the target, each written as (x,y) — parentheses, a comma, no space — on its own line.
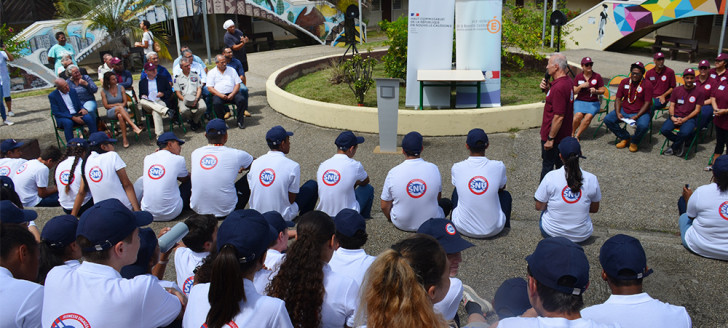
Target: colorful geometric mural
(630,18)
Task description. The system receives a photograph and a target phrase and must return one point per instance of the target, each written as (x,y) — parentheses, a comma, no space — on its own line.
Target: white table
(444,78)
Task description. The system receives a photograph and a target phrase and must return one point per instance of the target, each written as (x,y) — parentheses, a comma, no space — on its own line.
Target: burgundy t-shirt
(721,99)
(559,101)
(595,82)
(720,78)
(685,100)
(661,81)
(634,96)
(708,86)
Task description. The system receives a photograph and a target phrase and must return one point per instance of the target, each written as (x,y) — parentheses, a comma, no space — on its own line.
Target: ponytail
(79,154)
(226,288)
(574,178)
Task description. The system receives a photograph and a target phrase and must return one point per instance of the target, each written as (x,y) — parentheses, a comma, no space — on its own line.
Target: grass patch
(32,93)
(518,86)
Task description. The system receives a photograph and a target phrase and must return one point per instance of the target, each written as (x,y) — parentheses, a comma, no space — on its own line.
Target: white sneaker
(7,122)
(11,114)
(469,295)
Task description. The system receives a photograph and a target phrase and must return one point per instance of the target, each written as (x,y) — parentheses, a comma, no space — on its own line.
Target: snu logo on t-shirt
(67,320)
(331,177)
(267,176)
(569,196)
(21,168)
(416,188)
(65,174)
(4,171)
(156,172)
(95,174)
(187,285)
(208,162)
(723,210)
(230,324)
(478,185)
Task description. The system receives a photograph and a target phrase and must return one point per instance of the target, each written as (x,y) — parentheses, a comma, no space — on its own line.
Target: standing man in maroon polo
(558,112)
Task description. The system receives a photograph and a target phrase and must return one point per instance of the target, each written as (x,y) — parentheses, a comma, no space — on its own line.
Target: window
(396,4)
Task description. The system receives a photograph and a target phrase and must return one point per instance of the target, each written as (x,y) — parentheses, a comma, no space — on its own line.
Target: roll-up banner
(478,38)
(429,46)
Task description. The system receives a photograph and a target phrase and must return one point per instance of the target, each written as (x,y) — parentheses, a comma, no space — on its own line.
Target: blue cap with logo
(347,139)
(147,247)
(476,136)
(412,143)
(558,257)
(218,125)
(9,213)
(7,182)
(444,231)
(511,298)
(720,165)
(98,138)
(168,136)
(9,144)
(349,221)
(276,221)
(248,232)
(622,252)
(109,222)
(59,231)
(276,135)
(570,146)
(78,142)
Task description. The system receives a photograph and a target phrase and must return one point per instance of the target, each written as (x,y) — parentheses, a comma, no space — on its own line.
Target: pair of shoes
(194,126)
(669,151)
(708,168)
(8,122)
(11,114)
(246,113)
(633,147)
(469,295)
(241,125)
(622,144)
(227,116)
(170,113)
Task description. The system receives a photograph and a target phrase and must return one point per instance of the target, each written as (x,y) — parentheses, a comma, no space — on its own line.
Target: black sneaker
(668,151)
(680,152)
(240,125)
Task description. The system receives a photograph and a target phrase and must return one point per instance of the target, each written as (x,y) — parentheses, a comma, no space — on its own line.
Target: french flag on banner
(414,14)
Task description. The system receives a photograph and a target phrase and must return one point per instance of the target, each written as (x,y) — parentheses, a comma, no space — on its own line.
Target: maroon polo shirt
(685,100)
(559,101)
(633,96)
(720,78)
(595,81)
(721,99)
(708,86)
(661,81)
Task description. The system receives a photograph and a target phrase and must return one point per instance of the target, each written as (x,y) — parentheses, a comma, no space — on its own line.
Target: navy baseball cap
(347,139)
(60,231)
(9,144)
(78,142)
(476,136)
(569,146)
(624,252)
(109,222)
(98,138)
(168,136)
(147,246)
(248,232)
(558,257)
(276,221)
(412,143)
(511,298)
(9,213)
(444,231)
(349,221)
(218,125)
(720,165)
(276,135)
(7,182)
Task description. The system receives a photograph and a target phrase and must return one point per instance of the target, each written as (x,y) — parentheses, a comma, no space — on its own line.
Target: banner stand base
(379,151)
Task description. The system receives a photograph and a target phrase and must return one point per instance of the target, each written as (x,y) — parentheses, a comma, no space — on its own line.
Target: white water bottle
(173,236)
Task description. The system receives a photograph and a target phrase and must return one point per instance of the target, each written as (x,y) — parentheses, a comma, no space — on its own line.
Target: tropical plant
(395,61)
(521,30)
(358,71)
(12,44)
(118,17)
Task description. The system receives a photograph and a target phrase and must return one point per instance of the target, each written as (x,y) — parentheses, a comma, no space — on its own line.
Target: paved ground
(639,190)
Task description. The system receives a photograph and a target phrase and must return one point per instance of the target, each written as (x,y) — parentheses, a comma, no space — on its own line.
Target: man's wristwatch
(548,138)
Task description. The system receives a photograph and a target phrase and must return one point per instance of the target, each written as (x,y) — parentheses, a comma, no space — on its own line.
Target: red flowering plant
(12,44)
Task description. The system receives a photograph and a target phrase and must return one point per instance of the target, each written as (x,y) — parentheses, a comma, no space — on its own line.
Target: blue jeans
(706,116)
(49,201)
(504,198)
(540,227)
(91,106)
(684,222)
(682,205)
(686,130)
(612,123)
(657,105)
(67,125)
(307,197)
(365,198)
(2,105)
(550,159)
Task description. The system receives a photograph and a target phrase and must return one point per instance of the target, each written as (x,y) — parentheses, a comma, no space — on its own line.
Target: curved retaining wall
(364,119)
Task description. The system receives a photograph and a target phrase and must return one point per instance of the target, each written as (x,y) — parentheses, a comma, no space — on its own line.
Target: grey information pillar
(387,109)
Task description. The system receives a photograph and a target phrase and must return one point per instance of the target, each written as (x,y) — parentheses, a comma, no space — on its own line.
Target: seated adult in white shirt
(224,84)
(624,265)
(350,259)
(108,234)
(31,179)
(21,299)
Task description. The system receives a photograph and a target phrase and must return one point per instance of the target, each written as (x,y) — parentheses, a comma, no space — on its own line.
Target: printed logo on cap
(67,321)
(450,229)
(95,174)
(723,210)
(230,324)
(569,196)
(156,171)
(22,168)
(663,78)
(416,188)
(4,171)
(187,285)
(65,174)
(478,185)
(208,162)
(691,99)
(331,177)
(267,176)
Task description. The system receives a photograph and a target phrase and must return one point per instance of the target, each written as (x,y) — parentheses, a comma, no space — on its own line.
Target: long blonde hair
(395,287)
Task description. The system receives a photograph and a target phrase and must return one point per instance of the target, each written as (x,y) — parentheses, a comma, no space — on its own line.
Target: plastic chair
(230,107)
(696,133)
(77,129)
(609,96)
(649,66)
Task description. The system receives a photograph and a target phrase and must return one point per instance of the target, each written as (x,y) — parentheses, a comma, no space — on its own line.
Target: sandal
(708,168)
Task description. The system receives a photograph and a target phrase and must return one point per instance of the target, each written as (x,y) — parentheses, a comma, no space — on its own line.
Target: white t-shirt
(638,311)
(341,300)
(567,213)
(352,263)
(102,179)
(542,322)
(214,171)
(273,259)
(149,37)
(8,166)
(63,172)
(21,301)
(161,190)
(413,187)
(272,176)
(223,82)
(708,236)
(27,179)
(262,279)
(185,263)
(478,213)
(95,295)
(448,307)
(256,311)
(336,178)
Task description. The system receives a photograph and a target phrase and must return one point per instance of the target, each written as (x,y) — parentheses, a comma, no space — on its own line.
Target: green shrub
(395,61)
(358,72)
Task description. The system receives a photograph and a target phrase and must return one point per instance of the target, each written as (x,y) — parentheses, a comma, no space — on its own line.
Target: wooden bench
(451,78)
(675,45)
(268,36)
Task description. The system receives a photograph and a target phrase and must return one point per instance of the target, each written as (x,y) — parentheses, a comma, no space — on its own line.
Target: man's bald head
(61,85)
